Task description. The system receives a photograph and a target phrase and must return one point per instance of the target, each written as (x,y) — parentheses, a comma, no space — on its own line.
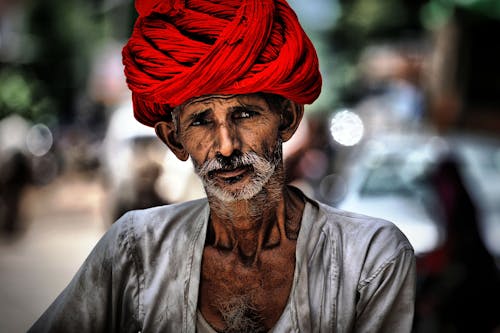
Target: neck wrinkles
(247,227)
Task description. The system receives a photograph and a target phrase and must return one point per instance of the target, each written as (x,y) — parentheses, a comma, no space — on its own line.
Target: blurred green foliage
(362,23)
(58,40)
(366,22)
(23,94)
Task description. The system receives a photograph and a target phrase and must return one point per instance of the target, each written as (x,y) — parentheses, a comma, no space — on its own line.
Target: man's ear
(166,131)
(291,115)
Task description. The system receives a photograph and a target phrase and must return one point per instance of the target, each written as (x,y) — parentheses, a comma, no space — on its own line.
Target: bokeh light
(39,140)
(346,128)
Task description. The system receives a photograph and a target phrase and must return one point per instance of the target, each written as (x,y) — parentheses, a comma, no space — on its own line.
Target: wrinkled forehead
(212,100)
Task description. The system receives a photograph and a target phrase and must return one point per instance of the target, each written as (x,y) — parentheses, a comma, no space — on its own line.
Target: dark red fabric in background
(189,48)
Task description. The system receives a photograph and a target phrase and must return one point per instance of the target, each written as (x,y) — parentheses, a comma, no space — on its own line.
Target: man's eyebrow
(199,113)
(251,107)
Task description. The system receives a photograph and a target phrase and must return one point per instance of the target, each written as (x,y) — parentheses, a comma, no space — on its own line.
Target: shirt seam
(365,282)
(187,283)
(335,272)
(130,247)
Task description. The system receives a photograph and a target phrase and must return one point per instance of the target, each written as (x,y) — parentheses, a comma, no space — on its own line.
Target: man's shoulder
(353,220)
(159,223)
(353,229)
(166,213)
(364,244)
(327,217)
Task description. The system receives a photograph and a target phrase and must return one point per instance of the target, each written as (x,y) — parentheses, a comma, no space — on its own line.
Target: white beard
(263,169)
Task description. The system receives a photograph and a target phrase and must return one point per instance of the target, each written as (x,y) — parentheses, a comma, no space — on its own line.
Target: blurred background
(407,128)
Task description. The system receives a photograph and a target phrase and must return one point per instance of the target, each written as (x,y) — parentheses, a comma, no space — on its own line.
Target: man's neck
(247,227)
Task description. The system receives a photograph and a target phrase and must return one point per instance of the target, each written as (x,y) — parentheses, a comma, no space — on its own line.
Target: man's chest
(255,294)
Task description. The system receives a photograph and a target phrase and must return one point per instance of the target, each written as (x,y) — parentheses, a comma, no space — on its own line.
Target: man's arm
(386,298)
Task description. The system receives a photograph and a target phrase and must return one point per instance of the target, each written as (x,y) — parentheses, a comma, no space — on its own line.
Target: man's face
(234,143)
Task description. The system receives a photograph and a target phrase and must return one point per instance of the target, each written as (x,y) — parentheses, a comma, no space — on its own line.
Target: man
(224,83)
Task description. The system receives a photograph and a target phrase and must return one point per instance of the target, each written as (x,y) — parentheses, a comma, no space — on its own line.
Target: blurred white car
(386,178)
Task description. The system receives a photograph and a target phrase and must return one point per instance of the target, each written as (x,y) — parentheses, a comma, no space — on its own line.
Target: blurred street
(62,222)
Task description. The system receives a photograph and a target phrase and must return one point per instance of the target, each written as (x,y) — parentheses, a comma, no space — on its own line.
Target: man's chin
(228,194)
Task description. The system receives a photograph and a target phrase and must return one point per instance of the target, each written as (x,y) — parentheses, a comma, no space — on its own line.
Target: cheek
(264,145)
(198,146)
(265,129)
(269,149)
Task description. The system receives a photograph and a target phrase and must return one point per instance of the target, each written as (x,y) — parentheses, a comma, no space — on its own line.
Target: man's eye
(244,114)
(199,122)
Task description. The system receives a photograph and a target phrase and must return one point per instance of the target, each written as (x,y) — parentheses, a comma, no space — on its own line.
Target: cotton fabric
(352,274)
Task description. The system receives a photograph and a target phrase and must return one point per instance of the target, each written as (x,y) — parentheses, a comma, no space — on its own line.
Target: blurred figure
(15,175)
(141,192)
(392,98)
(15,170)
(459,283)
(308,155)
(128,147)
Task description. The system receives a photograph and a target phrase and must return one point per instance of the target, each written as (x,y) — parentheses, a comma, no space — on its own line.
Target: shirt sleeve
(103,295)
(386,298)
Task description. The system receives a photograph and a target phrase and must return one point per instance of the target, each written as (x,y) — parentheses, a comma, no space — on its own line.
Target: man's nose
(227,141)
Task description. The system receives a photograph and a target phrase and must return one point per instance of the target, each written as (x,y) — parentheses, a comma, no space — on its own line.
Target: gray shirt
(352,274)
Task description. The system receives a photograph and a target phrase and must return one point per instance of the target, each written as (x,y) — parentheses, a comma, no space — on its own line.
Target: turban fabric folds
(180,49)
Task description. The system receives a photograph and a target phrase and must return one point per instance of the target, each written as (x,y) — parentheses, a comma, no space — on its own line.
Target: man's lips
(231,176)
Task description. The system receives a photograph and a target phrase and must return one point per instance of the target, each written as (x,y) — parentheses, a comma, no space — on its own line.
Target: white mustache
(234,162)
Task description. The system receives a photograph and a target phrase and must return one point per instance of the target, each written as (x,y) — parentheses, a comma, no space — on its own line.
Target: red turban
(180,49)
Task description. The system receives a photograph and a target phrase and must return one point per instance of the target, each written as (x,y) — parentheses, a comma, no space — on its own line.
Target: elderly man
(223,82)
